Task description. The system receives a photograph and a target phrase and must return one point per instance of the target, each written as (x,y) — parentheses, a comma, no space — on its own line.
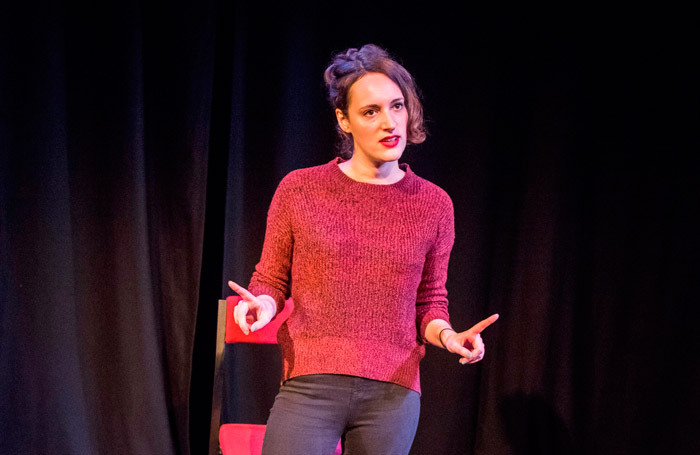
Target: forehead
(373,88)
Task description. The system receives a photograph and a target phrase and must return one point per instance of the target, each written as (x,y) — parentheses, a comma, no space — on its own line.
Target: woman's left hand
(469,344)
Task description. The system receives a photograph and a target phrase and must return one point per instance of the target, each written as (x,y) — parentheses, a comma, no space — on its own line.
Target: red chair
(239,438)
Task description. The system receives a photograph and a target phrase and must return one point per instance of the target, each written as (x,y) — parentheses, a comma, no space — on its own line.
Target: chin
(391,155)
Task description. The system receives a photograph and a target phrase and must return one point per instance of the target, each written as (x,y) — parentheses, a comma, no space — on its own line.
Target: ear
(342,121)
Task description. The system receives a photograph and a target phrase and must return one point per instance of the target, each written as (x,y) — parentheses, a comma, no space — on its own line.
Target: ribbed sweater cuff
(260,289)
(431,315)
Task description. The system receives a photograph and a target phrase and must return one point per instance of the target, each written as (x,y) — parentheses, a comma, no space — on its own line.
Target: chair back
(240,438)
(227,332)
(266,335)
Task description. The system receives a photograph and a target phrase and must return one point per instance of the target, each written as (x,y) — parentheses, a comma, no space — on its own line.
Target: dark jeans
(311,413)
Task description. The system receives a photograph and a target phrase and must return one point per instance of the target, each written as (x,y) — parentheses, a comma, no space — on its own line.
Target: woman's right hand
(252,313)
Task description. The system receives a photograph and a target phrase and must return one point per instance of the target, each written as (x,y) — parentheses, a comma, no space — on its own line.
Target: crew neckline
(343,178)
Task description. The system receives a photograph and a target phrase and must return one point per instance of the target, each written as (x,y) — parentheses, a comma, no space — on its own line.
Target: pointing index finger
(240,290)
(480,326)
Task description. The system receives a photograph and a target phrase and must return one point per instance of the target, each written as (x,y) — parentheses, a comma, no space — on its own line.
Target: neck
(384,173)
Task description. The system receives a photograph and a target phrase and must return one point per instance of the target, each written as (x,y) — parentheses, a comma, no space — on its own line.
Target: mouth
(390,141)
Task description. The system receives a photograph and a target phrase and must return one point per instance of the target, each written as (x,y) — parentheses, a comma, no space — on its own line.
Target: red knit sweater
(366,266)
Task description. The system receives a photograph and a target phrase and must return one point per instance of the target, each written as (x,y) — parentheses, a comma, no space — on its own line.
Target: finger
(240,315)
(466,359)
(236,310)
(263,318)
(480,326)
(477,356)
(240,290)
(463,352)
(471,360)
(478,350)
(455,344)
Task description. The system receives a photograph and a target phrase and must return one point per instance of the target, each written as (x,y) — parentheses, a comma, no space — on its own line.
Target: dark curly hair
(348,66)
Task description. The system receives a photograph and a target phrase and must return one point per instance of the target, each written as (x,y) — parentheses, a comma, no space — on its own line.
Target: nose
(388,121)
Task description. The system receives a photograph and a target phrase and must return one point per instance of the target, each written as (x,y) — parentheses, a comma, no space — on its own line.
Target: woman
(362,246)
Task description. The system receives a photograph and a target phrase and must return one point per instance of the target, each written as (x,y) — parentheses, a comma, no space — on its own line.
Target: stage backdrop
(104,137)
(141,145)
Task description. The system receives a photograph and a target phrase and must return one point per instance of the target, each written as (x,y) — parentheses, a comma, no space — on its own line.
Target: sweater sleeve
(431,302)
(272,273)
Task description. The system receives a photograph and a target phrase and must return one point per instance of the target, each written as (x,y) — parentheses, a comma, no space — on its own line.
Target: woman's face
(376,119)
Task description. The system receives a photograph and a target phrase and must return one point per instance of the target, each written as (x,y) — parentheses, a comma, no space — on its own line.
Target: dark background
(141,144)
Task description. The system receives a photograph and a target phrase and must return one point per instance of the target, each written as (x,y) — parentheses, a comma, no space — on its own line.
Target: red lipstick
(391,141)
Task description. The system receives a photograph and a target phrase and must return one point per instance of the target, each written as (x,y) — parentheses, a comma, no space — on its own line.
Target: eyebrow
(376,106)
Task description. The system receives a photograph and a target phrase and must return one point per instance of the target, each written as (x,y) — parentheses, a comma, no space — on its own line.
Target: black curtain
(104,136)
(141,145)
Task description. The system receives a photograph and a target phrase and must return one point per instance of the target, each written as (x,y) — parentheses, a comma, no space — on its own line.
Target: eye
(398,106)
(369,112)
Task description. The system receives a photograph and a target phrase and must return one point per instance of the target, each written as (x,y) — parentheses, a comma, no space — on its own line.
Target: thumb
(464,352)
(264,316)
(456,346)
(260,323)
